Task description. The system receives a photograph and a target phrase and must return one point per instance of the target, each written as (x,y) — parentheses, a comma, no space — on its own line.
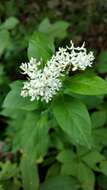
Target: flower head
(45,83)
(80,59)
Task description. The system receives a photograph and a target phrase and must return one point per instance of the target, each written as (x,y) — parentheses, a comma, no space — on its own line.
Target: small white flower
(45,83)
(80,59)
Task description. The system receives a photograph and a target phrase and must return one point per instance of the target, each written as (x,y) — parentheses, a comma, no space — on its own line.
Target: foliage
(57,145)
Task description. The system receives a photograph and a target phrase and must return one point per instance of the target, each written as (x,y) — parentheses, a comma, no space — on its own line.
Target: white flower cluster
(45,83)
(79,57)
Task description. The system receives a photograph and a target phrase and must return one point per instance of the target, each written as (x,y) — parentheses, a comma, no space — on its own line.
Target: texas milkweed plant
(52,119)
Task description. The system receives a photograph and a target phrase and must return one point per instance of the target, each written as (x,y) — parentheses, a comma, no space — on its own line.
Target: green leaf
(41,46)
(8,170)
(66,156)
(56,30)
(38,142)
(90,101)
(98,118)
(29,172)
(86,177)
(10,23)
(70,168)
(74,167)
(86,85)
(14,100)
(4,40)
(60,183)
(31,128)
(44,26)
(12,113)
(100,136)
(54,170)
(72,116)
(92,159)
(59,138)
(103,167)
(102,62)
(20,128)
(69,162)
